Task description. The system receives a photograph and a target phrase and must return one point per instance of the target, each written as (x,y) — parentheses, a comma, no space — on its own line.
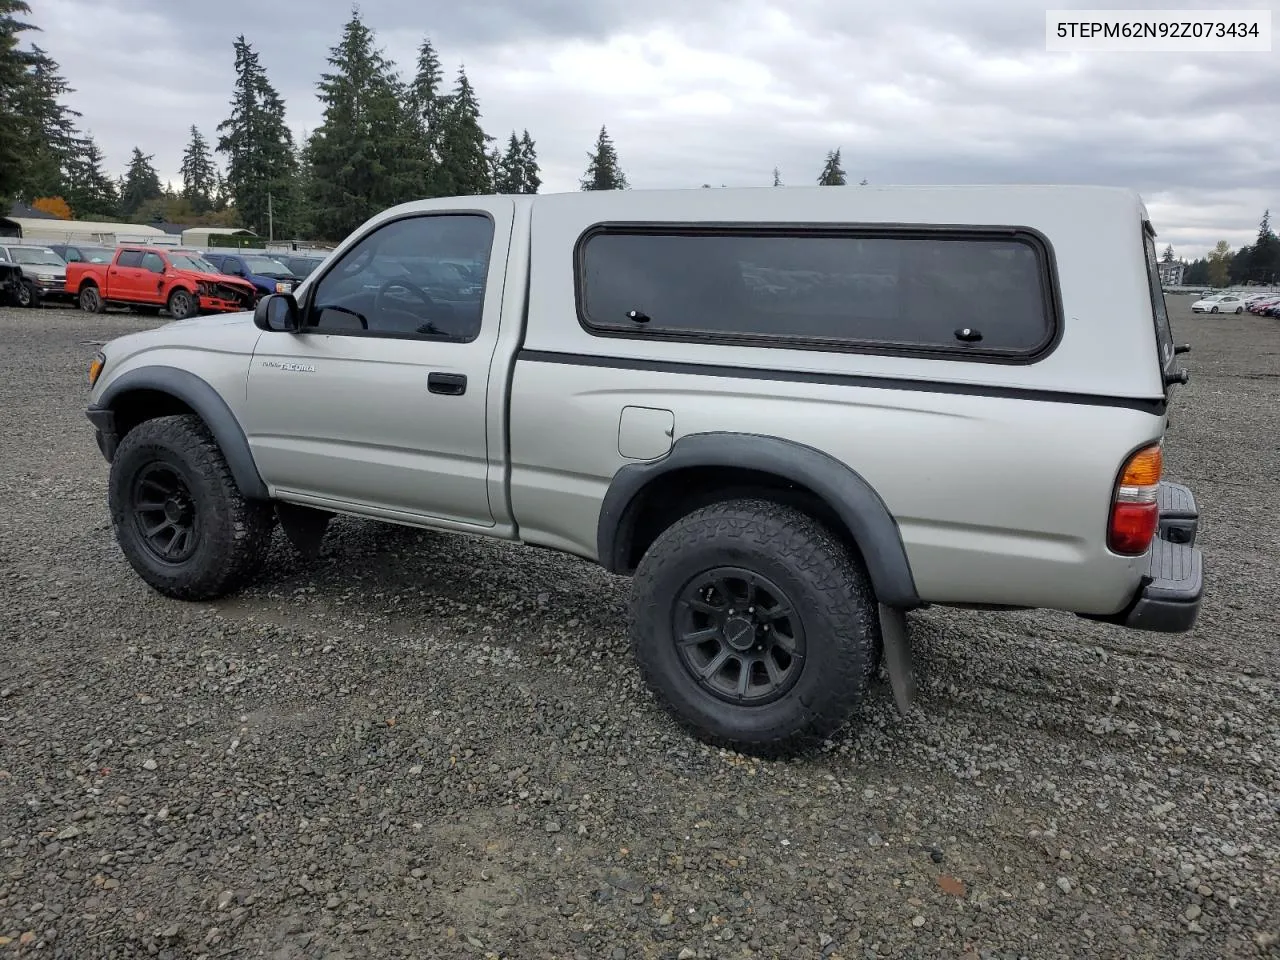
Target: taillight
(1135,514)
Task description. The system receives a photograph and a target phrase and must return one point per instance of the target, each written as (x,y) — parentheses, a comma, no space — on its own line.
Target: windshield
(183,262)
(266,266)
(36,257)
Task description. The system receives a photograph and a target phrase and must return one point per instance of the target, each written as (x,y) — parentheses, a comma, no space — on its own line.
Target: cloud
(916,91)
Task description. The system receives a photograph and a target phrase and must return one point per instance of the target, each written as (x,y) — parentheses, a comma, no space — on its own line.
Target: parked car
(44,273)
(11,283)
(302,266)
(149,279)
(1220,303)
(790,417)
(81,253)
(1262,303)
(266,274)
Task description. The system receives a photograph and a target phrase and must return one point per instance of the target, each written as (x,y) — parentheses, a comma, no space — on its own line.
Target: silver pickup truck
(791,415)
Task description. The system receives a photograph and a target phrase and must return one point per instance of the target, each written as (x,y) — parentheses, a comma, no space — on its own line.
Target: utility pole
(271,221)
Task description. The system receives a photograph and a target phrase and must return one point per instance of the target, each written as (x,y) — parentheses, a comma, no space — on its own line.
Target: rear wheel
(182,304)
(91,300)
(755,627)
(178,515)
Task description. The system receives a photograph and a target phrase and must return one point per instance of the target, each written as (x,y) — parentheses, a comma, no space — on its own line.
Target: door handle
(449,384)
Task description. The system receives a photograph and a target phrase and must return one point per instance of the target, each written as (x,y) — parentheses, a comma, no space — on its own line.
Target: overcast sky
(722,91)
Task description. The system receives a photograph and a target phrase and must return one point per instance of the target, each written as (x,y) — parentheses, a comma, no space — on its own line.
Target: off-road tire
(182,305)
(826,585)
(231,534)
(90,299)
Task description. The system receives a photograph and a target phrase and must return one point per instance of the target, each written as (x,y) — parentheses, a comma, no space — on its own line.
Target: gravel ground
(424,745)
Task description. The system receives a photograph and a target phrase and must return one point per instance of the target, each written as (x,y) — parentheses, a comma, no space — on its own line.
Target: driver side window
(399,282)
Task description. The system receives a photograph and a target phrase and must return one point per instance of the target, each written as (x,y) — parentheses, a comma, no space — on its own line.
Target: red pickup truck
(149,279)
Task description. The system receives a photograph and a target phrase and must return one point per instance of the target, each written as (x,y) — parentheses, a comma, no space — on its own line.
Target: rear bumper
(1168,600)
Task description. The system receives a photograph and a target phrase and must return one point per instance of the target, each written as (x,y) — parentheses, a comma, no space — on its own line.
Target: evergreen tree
(832,174)
(141,185)
(464,146)
(1168,254)
(15,128)
(530,177)
(508,168)
(259,148)
(90,192)
(51,139)
(362,154)
(426,106)
(777,177)
(1264,259)
(603,171)
(197,173)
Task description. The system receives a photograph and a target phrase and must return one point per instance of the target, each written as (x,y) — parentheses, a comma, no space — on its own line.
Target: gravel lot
(421,745)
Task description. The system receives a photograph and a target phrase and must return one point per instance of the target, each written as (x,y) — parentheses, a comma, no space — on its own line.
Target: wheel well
(680,492)
(138,406)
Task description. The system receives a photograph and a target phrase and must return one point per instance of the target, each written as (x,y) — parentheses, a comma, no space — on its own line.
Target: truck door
(151,279)
(125,276)
(381,402)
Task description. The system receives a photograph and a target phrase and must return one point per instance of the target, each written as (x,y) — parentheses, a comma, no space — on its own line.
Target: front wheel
(27,296)
(1214,310)
(182,305)
(755,627)
(178,515)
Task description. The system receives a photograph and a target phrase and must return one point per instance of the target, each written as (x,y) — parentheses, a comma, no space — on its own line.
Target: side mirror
(277,313)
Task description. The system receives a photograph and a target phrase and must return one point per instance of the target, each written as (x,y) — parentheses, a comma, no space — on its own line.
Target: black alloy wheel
(739,635)
(164,513)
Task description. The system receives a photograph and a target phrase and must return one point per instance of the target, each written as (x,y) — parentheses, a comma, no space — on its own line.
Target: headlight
(95,367)
(282,287)
(204,289)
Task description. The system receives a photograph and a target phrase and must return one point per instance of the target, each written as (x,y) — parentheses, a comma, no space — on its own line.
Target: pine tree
(530,177)
(197,173)
(15,127)
(832,173)
(777,177)
(508,168)
(603,171)
(362,154)
(464,146)
(51,139)
(90,192)
(1264,259)
(259,148)
(1168,254)
(426,106)
(141,185)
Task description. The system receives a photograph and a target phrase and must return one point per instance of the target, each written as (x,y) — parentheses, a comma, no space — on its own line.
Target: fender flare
(207,404)
(842,488)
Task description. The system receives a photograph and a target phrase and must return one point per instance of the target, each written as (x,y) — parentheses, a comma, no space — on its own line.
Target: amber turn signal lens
(95,368)
(1135,511)
(1144,468)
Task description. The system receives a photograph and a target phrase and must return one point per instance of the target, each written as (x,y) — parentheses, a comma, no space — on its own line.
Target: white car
(1222,303)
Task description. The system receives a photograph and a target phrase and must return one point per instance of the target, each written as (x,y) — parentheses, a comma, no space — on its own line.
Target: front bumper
(1168,600)
(104,431)
(220,305)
